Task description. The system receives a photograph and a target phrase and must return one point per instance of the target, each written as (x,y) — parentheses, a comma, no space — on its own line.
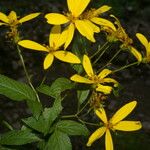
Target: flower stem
(101,54)
(88,123)
(126,66)
(70,116)
(26,73)
(99,49)
(111,59)
(79,111)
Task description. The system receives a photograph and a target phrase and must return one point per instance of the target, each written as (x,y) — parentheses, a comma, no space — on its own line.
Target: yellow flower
(56,40)
(76,18)
(119,34)
(115,123)
(12,19)
(99,80)
(146,44)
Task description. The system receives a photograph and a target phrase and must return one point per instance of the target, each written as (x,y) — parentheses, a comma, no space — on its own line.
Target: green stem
(26,73)
(88,123)
(101,54)
(126,66)
(45,76)
(114,56)
(79,119)
(70,116)
(111,59)
(82,108)
(99,49)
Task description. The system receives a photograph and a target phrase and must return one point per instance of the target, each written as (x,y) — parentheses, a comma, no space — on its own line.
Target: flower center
(109,125)
(51,49)
(71,17)
(96,79)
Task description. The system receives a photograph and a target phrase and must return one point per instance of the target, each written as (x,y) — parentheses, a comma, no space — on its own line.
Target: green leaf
(72,127)
(58,86)
(18,137)
(20,91)
(4,148)
(45,89)
(36,107)
(15,90)
(46,118)
(41,145)
(35,124)
(59,141)
(78,68)
(82,95)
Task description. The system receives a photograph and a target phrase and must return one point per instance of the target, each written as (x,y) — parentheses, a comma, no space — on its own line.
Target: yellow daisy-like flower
(76,18)
(146,44)
(118,34)
(56,40)
(12,19)
(98,80)
(115,123)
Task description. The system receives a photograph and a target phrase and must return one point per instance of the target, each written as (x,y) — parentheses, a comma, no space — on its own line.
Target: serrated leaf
(18,137)
(82,95)
(45,119)
(58,86)
(59,141)
(36,107)
(35,124)
(50,114)
(20,91)
(45,89)
(15,90)
(72,127)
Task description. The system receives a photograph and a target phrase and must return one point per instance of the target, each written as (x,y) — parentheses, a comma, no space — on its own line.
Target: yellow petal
(32,45)
(101,10)
(137,54)
(104,89)
(96,135)
(28,17)
(104,22)
(77,6)
(101,114)
(67,57)
(104,73)
(68,34)
(54,36)
(142,39)
(4,18)
(148,50)
(108,141)
(85,29)
(80,79)
(110,80)
(12,16)
(87,66)
(56,19)
(95,28)
(1,23)
(48,61)
(72,4)
(123,112)
(128,126)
